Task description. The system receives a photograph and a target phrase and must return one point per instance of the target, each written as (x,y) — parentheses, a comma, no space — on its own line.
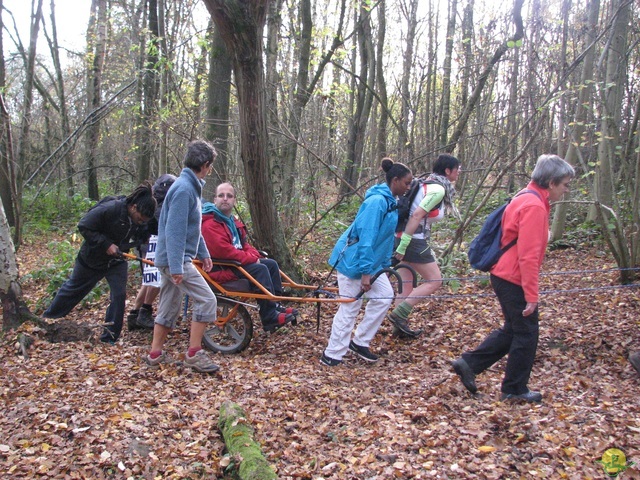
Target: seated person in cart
(226,239)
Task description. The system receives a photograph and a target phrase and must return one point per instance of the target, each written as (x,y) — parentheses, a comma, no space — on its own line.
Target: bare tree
(14,307)
(61,106)
(482,80)
(96,47)
(365,82)
(146,149)
(383,101)
(218,98)
(445,105)
(580,117)
(7,175)
(612,94)
(241,24)
(305,85)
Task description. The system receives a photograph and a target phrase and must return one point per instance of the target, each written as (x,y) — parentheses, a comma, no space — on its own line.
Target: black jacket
(107,223)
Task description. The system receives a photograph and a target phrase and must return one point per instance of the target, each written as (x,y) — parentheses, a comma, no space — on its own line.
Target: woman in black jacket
(114,225)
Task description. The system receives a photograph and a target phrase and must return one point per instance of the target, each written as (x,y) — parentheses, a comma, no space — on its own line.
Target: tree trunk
(24,143)
(287,165)
(7,174)
(512,120)
(96,46)
(238,438)
(381,142)
(304,88)
(241,25)
(274,83)
(467,76)
(611,105)
(14,308)
(218,95)
(446,74)
(580,117)
(405,139)
(482,80)
(610,140)
(364,100)
(145,149)
(64,112)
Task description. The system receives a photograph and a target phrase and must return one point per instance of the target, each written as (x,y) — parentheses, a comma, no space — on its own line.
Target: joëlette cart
(233,329)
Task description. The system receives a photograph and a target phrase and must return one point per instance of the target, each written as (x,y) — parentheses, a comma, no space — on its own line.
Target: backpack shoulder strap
(515,240)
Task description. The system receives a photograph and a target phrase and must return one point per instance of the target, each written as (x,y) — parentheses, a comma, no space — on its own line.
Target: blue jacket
(366,246)
(179,237)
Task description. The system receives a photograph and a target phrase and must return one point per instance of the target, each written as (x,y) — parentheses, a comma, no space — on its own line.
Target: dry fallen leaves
(95,411)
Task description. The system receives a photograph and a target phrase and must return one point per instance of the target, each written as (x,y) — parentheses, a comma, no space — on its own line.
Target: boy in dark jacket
(141,316)
(113,226)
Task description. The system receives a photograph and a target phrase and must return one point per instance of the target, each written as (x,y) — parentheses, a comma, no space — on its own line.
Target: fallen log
(238,438)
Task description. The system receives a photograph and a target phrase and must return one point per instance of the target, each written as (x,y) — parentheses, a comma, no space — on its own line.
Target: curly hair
(142,198)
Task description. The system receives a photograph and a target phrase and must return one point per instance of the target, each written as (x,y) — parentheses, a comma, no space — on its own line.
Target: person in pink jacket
(226,239)
(514,279)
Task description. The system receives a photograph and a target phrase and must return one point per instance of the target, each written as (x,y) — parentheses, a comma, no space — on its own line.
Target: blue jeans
(81,282)
(518,338)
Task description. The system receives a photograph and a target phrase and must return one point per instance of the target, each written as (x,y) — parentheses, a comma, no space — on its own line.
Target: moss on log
(238,437)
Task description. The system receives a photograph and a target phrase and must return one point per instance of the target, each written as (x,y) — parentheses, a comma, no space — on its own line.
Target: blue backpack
(484,251)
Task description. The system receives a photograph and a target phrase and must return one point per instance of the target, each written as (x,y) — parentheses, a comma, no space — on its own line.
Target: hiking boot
(396,332)
(155,362)
(145,319)
(401,324)
(132,320)
(201,362)
(530,397)
(363,352)
(634,360)
(278,321)
(466,375)
(290,310)
(328,361)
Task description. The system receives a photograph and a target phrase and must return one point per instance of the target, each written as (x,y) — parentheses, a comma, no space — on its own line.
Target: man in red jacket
(514,279)
(226,239)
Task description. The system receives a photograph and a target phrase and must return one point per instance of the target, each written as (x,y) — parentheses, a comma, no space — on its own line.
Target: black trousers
(78,286)
(267,273)
(518,338)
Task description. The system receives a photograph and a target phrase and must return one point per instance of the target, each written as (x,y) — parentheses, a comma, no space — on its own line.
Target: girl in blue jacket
(361,251)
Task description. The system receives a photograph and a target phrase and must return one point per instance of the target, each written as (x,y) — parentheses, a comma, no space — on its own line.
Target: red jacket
(527,219)
(219,242)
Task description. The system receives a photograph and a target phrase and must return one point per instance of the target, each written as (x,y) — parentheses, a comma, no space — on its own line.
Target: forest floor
(88,410)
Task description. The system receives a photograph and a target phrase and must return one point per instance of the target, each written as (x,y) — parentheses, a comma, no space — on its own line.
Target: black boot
(132,320)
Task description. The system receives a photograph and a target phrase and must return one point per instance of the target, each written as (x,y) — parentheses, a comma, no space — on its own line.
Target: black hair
(161,187)
(200,153)
(443,162)
(142,198)
(393,169)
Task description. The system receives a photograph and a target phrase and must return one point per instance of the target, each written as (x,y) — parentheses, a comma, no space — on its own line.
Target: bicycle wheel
(233,329)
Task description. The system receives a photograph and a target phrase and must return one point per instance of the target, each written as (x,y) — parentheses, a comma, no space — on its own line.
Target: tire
(235,334)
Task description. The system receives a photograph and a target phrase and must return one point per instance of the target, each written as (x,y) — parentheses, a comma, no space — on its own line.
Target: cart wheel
(235,335)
